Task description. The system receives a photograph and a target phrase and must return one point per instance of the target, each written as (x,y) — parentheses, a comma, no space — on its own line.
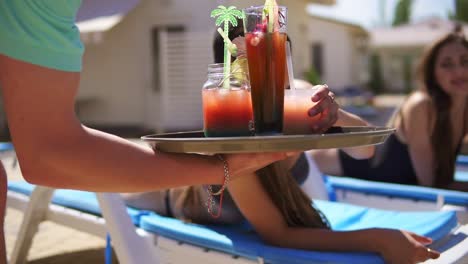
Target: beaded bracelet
(210,201)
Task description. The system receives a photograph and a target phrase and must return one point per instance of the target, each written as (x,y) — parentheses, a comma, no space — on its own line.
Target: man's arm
(55,149)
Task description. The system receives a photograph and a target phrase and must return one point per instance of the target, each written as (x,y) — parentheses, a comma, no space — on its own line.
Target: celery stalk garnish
(270,15)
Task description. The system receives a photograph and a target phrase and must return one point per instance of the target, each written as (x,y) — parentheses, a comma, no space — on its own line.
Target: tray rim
(372,135)
(376,131)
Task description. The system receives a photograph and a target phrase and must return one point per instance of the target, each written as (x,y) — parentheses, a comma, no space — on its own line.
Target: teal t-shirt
(41,32)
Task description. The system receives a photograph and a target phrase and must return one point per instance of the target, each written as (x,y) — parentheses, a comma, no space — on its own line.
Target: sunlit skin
(395,246)
(452,69)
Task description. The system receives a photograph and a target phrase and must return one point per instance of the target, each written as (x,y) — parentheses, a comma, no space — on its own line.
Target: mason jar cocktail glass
(227,104)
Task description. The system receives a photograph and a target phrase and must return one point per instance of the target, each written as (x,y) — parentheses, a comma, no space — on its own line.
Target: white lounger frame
(133,245)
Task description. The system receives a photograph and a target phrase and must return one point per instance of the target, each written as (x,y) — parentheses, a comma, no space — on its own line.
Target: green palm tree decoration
(227,15)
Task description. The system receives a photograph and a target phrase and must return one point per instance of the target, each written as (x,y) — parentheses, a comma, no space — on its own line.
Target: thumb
(433,254)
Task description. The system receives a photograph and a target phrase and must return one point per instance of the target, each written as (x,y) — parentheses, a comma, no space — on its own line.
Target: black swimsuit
(391,163)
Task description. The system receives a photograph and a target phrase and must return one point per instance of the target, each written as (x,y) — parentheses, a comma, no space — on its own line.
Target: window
(156,51)
(156,59)
(317,58)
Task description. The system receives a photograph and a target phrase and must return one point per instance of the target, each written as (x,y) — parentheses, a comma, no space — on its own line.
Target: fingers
(432,254)
(421,239)
(423,253)
(321,92)
(328,110)
(323,103)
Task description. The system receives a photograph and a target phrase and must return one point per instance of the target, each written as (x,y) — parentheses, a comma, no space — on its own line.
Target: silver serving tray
(335,137)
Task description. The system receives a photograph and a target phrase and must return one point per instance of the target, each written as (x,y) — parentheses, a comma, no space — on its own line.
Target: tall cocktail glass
(266,55)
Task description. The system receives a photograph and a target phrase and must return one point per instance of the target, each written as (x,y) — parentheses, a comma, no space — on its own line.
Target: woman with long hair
(430,126)
(283,215)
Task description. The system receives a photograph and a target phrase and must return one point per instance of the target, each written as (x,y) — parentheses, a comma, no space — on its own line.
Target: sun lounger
(173,241)
(384,195)
(6,146)
(93,213)
(242,242)
(344,186)
(144,237)
(462,160)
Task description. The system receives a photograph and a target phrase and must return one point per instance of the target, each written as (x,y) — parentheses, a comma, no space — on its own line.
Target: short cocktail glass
(297,103)
(227,110)
(266,54)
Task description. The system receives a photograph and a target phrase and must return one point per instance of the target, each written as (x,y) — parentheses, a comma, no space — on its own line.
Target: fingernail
(312,112)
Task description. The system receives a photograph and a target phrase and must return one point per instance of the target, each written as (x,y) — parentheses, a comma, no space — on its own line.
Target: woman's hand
(325,107)
(245,164)
(399,247)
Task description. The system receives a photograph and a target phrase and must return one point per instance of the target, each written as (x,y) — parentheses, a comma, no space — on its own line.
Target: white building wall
(337,52)
(117,86)
(117,80)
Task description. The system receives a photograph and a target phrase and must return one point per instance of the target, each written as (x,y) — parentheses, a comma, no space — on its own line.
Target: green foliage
(402,12)
(313,77)
(461,10)
(376,83)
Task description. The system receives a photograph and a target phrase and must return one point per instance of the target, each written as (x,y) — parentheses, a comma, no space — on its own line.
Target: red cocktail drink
(227,112)
(296,112)
(227,103)
(266,55)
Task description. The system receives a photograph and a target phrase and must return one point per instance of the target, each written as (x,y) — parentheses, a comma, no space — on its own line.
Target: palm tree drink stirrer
(226,16)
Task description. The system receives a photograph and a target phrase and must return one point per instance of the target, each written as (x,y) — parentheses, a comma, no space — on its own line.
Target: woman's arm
(332,115)
(55,149)
(254,202)
(348,119)
(417,130)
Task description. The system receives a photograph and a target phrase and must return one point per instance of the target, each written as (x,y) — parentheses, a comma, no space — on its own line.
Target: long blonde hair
(295,206)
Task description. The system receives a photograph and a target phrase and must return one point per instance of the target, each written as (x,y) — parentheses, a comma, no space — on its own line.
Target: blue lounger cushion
(242,241)
(462,160)
(461,176)
(78,200)
(397,190)
(6,146)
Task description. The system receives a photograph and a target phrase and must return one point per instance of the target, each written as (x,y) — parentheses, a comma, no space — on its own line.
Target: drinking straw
(290,66)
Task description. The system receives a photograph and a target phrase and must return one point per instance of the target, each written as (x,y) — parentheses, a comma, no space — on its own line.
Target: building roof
(413,35)
(340,22)
(99,16)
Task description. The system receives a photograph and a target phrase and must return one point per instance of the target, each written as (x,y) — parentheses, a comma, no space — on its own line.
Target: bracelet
(210,201)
